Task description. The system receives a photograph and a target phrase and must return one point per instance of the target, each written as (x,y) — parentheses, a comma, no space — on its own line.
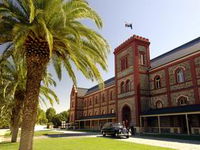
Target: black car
(114,129)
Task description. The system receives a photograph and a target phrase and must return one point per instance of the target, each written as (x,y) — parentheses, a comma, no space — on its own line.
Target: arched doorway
(126,114)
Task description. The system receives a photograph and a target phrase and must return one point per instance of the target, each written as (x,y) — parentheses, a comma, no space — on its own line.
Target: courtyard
(79,140)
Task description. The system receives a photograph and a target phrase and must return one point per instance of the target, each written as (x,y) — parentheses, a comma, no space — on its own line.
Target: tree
(58,118)
(41,117)
(50,113)
(44,30)
(13,77)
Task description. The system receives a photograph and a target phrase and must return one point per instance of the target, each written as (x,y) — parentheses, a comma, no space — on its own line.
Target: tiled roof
(177,53)
(171,110)
(107,83)
(99,116)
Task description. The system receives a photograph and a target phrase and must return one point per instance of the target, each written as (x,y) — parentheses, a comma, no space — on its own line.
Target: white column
(188,129)
(159,125)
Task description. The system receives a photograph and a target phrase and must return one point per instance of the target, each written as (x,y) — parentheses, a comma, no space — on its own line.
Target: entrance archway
(126,114)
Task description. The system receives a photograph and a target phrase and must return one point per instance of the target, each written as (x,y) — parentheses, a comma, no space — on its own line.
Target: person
(132,130)
(127,124)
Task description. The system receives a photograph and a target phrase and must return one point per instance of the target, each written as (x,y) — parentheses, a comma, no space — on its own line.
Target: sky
(166,23)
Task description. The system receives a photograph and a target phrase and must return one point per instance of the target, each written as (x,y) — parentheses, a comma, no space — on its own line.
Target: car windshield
(119,125)
(108,124)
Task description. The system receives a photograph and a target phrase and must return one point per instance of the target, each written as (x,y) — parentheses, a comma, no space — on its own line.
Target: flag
(129,25)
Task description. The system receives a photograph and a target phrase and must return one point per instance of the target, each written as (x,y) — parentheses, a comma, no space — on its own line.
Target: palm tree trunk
(36,65)
(16,115)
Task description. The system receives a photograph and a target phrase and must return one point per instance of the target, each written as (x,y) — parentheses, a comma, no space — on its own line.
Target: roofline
(194,41)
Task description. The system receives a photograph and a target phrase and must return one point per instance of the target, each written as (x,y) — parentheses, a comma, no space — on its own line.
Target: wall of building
(143,95)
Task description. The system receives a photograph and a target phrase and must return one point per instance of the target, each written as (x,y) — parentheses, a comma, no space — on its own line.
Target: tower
(132,62)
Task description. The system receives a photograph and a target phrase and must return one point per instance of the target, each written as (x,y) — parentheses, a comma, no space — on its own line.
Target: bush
(58,118)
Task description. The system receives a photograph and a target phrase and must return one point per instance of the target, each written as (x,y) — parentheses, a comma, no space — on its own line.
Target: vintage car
(114,129)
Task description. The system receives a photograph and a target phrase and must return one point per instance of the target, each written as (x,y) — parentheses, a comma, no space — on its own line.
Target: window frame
(180,100)
(142,61)
(127,86)
(177,76)
(122,87)
(159,102)
(124,62)
(157,82)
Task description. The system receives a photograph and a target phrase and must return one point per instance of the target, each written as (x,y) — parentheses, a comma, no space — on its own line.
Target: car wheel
(104,134)
(114,135)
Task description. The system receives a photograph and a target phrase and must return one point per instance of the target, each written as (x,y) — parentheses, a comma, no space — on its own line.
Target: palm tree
(13,75)
(44,30)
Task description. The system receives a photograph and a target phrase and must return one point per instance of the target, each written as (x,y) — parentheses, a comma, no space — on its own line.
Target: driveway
(164,142)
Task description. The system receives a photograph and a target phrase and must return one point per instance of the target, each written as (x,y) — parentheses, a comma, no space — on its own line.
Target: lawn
(82,144)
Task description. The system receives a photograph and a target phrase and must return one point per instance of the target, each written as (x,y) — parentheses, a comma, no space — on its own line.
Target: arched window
(103,112)
(180,75)
(159,104)
(90,101)
(111,95)
(157,82)
(128,86)
(182,100)
(142,62)
(96,113)
(122,87)
(96,100)
(103,98)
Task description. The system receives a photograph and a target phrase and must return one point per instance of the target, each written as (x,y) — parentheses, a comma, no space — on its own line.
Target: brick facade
(141,83)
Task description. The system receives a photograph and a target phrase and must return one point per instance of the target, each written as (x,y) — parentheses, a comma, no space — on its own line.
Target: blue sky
(166,23)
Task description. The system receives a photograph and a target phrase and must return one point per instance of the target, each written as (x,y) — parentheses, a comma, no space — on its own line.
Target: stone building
(158,96)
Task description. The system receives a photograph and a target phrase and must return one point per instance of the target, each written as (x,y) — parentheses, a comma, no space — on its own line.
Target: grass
(37,133)
(172,136)
(82,144)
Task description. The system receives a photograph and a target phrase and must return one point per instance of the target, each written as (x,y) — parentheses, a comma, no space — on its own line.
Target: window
(157,82)
(124,63)
(72,104)
(159,104)
(103,98)
(96,113)
(180,75)
(90,101)
(111,95)
(182,100)
(103,112)
(122,90)
(142,62)
(128,86)
(96,100)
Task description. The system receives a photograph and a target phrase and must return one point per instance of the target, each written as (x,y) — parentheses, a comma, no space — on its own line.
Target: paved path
(163,142)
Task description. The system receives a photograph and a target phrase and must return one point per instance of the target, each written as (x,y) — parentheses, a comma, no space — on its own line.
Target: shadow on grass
(71,134)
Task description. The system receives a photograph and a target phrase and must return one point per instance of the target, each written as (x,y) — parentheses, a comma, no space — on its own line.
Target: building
(158,96)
